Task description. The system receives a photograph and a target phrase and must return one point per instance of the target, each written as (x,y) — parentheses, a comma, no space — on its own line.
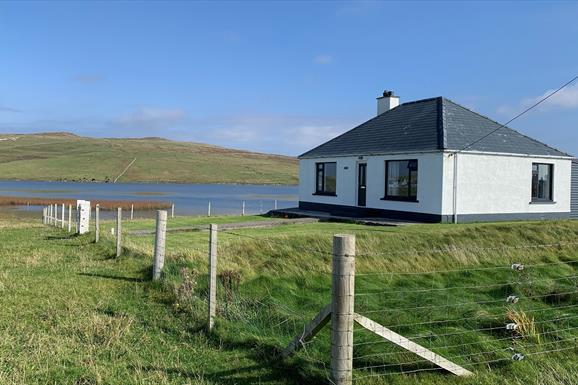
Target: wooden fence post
(69,218)
(62,221)
(118,231)
(97,223)
(160,238)
(44,215)
(212,275)
(173,210)
(131,212)
(342,309)
(55,214)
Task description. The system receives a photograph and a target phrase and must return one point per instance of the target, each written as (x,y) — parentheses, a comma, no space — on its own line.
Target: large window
(401,180)
(326,178)
(542,182)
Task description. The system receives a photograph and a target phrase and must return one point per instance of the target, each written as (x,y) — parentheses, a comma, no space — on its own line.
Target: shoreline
(152,182)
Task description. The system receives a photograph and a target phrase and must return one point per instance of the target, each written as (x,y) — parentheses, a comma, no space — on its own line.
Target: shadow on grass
(107,276)
(269,368)
(60,237)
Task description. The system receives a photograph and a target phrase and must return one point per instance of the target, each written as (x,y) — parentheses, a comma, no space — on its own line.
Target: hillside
(64,156)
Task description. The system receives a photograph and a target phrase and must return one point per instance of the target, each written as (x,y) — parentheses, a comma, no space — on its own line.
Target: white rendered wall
(429,190)
(501,184)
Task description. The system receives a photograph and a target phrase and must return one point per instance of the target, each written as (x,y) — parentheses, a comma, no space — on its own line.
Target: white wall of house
(501,184)
(429,194)
(487,183)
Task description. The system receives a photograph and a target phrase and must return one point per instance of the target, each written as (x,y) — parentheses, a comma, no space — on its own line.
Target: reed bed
(104,204)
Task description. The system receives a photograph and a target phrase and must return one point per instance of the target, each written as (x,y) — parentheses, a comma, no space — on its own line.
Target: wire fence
(477,317)
(384,322)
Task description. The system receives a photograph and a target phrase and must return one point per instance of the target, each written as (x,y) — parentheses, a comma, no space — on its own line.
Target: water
(189,199)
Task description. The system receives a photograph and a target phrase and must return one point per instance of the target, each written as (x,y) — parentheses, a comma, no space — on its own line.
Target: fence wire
(478,316)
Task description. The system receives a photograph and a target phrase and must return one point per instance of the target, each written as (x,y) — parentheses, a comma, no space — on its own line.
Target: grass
(62,156)
(73,314)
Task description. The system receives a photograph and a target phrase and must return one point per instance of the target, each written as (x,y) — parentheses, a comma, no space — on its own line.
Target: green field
(72,313)
(69,157)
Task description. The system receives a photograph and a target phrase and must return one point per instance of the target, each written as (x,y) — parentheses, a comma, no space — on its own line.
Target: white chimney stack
(387,102)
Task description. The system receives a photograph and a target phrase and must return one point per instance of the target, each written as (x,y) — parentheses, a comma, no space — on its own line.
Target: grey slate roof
(430,125)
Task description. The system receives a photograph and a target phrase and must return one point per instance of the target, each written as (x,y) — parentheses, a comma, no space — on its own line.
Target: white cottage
(434,160)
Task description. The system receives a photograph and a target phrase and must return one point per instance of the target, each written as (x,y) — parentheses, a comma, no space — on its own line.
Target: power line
(521,113)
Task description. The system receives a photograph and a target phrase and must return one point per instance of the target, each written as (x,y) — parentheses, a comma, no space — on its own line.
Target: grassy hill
(64,156)
(105,322)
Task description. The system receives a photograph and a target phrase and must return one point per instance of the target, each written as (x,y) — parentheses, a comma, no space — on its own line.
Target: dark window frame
(551,184)
(407,198)
(320,168)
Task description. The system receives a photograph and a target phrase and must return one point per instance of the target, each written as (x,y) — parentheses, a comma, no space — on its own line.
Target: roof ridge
(441,123)
(503,126)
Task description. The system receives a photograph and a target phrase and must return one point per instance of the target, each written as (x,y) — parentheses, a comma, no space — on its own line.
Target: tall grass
(104,204)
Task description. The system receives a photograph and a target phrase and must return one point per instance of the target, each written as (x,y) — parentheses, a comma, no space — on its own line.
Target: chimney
(387,102)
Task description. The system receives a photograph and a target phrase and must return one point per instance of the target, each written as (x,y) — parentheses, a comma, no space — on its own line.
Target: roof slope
(430,125)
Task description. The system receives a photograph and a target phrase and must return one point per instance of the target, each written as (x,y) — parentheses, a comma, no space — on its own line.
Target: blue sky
(279,76)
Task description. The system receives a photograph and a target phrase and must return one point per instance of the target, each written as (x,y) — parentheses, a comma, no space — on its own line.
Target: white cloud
(151,118)
(567,98)
(290,135)
(323,59)
(268,133)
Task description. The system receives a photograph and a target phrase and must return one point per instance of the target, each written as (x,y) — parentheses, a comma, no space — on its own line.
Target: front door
(361,184)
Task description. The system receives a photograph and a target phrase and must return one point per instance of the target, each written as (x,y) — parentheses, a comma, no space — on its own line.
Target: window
(401,180)
(326,178)
(542,182)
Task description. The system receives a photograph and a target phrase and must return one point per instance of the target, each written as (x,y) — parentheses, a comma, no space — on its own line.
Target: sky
(280,77)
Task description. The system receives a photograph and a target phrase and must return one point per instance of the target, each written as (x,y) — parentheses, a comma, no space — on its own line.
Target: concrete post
(342,309)
(173,210)
(69,218)
(62,221)
(243,209)
(212,275)
(118,231)
(161,234)
(131,212)
(97,223)
(50,214)
(209,210)
(55,214)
